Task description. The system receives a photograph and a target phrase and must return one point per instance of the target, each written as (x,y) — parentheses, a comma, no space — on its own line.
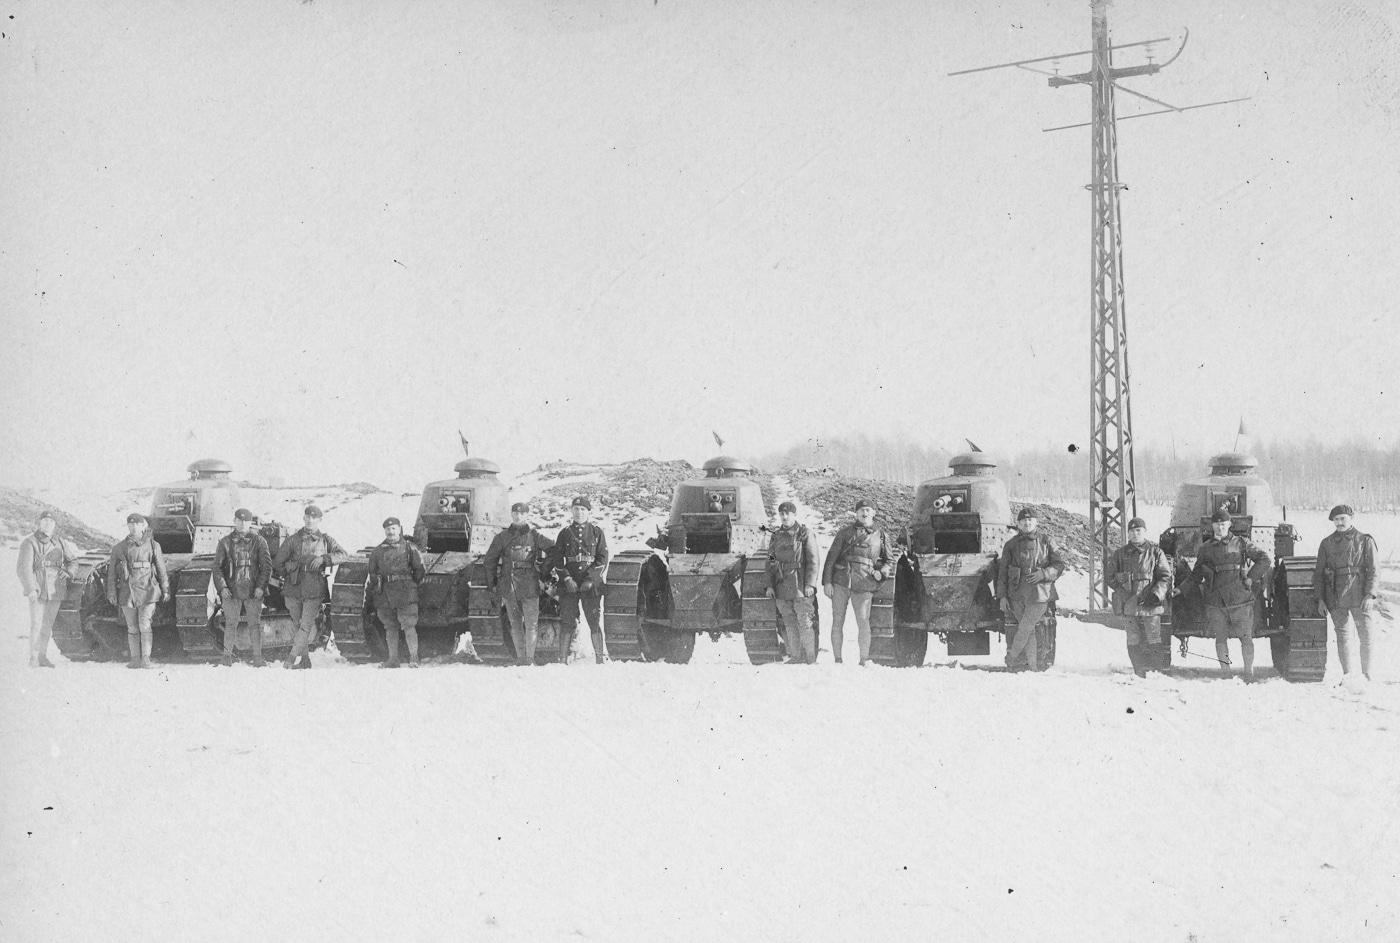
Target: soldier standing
(242,567)
(1344,585)
(136,581)
(581,558)
(793,577)
(395,570)
(857,563)
(1227,587)
(1141,578)
(43,568)
(512,573)
(302,561)
(1030,565)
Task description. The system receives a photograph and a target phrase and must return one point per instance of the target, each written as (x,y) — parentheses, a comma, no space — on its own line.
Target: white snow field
(712,801)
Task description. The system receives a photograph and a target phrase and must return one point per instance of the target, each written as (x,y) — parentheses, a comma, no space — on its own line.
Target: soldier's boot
(146,650)
(300,639)
(566,643)
(1135,657)
(532,634)
(133,645)
(391,638)
(600,648)
(255,631)
(1247,647)
(412,636)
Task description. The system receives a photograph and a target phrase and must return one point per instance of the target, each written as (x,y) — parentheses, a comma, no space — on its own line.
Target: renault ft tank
(1283,612)
(944,581)
(709,574)
(457,520)
(187,519)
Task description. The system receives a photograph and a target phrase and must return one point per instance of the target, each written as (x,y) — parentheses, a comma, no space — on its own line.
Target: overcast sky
(317,238)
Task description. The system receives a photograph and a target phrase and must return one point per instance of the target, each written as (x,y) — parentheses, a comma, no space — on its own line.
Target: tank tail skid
(657,638)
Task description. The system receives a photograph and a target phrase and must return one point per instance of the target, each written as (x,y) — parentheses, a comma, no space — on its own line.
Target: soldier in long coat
(1030,565)
(1227,569)
(512,567)
(581,561)
(395,570)
(43,568)
(136,582)
(1344,586)
(1140,576)
(302,561)
(793,575)
(242,567)
(857,563)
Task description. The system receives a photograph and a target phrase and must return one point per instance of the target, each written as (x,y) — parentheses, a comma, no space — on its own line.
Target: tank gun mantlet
(727,466)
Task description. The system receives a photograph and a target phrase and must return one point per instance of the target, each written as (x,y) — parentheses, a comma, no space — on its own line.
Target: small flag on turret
(467,451)
(972,445)
(718,440)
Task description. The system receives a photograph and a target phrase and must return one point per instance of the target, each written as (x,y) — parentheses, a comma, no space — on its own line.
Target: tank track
(885,643)
(621,604)
(1300,649)
(762,638)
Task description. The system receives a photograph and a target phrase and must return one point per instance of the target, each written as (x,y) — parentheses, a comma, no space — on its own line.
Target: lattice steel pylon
(1112,495)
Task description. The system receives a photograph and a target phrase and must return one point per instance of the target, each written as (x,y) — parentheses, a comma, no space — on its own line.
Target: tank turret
(965,512)
(1234,484)
(464,513)
(943,584)
(726,489)
(191,516)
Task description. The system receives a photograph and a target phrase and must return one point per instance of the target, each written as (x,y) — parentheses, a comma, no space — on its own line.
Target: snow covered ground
(714,801)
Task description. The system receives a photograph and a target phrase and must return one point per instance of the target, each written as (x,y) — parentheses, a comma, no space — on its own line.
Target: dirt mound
(834,497)
(19,512)
(639,488)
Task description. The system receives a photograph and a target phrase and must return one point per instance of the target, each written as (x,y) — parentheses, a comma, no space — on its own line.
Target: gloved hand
(112,599)
(257,594)
(586,585)
(1148,599)
(567,584)
(326,559)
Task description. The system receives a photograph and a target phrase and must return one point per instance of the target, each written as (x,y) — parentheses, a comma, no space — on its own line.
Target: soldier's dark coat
(43,566)
(136,573)
(1030,564)
(1131,570)
(300,559)
(792,562)
(1221,571)
(512,563)
(582,551)
(1345,575)
(395,570)
(856,553)
(242,565)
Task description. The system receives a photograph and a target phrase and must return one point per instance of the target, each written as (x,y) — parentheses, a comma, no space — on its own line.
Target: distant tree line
(1302,474)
